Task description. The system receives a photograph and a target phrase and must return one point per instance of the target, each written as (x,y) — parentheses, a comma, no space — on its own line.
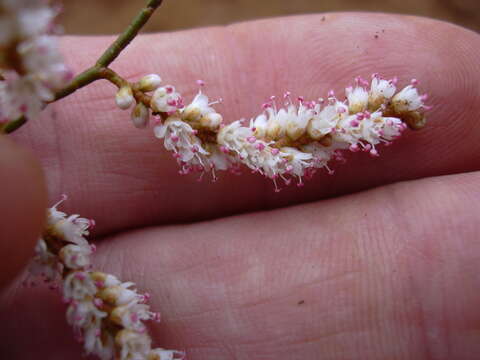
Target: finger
(92,152)
(387,274)
(22,207)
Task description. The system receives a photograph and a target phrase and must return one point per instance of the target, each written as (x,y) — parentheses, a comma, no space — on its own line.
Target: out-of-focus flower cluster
(107,315)
(283,143)
(31,66)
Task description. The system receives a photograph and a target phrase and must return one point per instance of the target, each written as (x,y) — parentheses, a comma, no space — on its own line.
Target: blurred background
(111,16)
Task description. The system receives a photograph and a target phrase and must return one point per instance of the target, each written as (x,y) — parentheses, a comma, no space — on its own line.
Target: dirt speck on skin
(301,302)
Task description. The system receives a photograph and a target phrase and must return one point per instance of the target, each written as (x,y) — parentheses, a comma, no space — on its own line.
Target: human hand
(388,273)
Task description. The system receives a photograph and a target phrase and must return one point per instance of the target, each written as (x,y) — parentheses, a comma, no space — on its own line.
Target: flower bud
(150,83)
(124,97)
(140,116)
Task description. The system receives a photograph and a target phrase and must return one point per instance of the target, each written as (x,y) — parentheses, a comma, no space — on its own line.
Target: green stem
(129,34)
(81,80)
(13,125)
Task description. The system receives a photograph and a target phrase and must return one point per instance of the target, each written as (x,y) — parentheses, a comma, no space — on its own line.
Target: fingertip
(22,207)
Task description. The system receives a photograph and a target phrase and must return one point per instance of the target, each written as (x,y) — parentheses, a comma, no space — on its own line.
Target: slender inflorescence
(107,315)
(283,143)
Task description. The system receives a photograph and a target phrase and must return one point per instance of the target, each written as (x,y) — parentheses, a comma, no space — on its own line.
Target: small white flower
(166,100)
(83,315)
(407,100)
(297,120)
(381,90)
(357,99)
(200,111)
(78,285)
(45,263)
(132,315)
(162,354)
(180,138)
(133,345)
(276,123)
(323,122)
(76,256)
(120,294)
(259,126)
(298,161)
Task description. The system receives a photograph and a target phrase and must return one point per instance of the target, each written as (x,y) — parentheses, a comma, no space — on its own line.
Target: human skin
(379,261)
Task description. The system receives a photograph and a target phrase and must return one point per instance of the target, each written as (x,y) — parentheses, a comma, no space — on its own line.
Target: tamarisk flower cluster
(31,67)
(107,315)
(288,143)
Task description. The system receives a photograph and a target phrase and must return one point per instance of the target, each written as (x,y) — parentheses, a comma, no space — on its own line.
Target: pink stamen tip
(375,75)
(301,99)
(99,284)
(275,151)
(331,172)
(174,138)
(354,148)
(98,302)
(93,247)
(367,147)
(331,93)
(287,94)
(80,276)
(98,333)
(172,102)
(266,105)
(251,139)
(367,114)
(195,149)
(200,83)
(169,89)
(341,110)
(424,97)
(300,184)
(272,97)
(259,146)
(414,82)
(156,317)
(374,153)
(394,80)
(354,123)
(360,116)
(224,149)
